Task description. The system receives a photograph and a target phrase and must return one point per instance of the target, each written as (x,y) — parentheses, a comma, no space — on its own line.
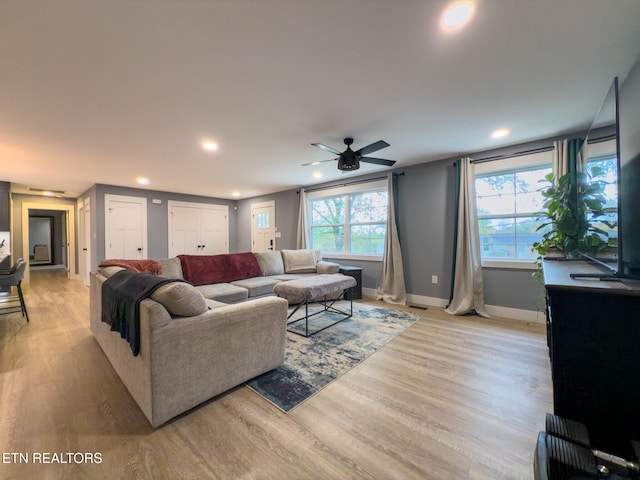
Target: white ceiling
(104,91)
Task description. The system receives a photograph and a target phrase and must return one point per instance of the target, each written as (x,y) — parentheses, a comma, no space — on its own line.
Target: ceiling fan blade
(317,162)
(378,161)
(327,149)
(374,147)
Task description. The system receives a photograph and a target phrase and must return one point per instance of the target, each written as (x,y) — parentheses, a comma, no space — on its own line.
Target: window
(602,165)
(351,221)
(507,198)
(262,220)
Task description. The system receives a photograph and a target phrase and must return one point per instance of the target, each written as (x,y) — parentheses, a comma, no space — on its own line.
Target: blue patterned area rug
(312,363)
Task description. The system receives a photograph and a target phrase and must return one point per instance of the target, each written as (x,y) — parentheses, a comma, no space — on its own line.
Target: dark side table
(356,272)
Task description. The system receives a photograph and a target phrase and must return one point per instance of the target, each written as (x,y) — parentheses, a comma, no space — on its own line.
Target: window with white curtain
(349,222)
(508,195)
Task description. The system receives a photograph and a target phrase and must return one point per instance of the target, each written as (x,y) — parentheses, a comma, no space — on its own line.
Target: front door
(263,226)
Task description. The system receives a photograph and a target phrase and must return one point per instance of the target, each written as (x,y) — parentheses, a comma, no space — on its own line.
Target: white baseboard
(413,299)
(532,316)
(426,301)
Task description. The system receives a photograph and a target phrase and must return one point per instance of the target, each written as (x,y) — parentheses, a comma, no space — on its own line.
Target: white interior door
(84,237)
(263,226)
(213,231)
(125,227)
(184,230)
(198,228)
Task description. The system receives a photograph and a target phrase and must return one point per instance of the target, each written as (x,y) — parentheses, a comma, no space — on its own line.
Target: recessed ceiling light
(209,145)
(142,181)
(500,133)
(457,14)
(317,174)
(235,194)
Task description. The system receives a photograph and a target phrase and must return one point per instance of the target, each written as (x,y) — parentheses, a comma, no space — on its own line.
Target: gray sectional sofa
(198,340)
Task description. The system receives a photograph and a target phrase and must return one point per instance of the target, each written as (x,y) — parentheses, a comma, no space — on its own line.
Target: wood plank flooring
(450,398)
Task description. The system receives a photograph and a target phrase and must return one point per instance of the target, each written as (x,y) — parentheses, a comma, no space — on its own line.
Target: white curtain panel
(391,288)
(560,163)
(582,157)
(302,239)
(468,291)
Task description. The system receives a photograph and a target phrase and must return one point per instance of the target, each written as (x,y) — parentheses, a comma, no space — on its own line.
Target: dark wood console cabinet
(593,331)
(356,272)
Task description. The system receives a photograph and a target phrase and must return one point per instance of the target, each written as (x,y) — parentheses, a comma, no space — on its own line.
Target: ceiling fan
(350,160)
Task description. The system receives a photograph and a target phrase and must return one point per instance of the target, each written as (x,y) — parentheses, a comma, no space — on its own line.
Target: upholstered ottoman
(318,289)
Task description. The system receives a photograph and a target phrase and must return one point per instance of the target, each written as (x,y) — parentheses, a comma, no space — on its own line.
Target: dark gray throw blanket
(121,297)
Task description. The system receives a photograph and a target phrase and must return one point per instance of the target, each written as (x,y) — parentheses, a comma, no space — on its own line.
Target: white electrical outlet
(434,279)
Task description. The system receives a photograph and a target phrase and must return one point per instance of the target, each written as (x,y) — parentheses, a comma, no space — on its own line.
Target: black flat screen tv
(620,116)
(629,176)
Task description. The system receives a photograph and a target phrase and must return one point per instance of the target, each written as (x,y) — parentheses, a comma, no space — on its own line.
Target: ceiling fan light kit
(350,160)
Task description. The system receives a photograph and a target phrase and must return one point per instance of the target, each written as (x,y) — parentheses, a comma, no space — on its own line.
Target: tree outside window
(605,168)
(506,204)
(353,223)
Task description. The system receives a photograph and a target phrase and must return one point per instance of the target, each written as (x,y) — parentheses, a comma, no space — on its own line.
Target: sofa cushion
(224,292)
(209,269)
(180,299)
(270,262)
(257,286)
(213,304)
(323,267)
(299,261)
(171,268)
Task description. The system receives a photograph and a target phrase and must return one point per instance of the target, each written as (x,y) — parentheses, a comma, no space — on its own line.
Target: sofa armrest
(323,267)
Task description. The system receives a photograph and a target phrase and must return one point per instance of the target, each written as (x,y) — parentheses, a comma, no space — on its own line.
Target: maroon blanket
(139,266)
(208,269)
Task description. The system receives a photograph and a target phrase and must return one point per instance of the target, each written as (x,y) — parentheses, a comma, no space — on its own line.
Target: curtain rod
(604,138)
(355,182)
(513,155)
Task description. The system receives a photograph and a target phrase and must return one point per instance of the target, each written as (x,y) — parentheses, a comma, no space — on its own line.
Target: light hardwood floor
(450,398)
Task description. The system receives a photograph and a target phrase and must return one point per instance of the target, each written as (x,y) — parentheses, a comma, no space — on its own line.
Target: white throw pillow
(299,261)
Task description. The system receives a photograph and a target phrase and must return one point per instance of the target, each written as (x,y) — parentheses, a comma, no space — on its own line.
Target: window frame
(346,191)
(520,163)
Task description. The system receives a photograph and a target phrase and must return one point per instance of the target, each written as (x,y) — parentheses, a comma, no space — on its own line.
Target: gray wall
(286,220)
(16,222)
(426,205)
(157,218)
